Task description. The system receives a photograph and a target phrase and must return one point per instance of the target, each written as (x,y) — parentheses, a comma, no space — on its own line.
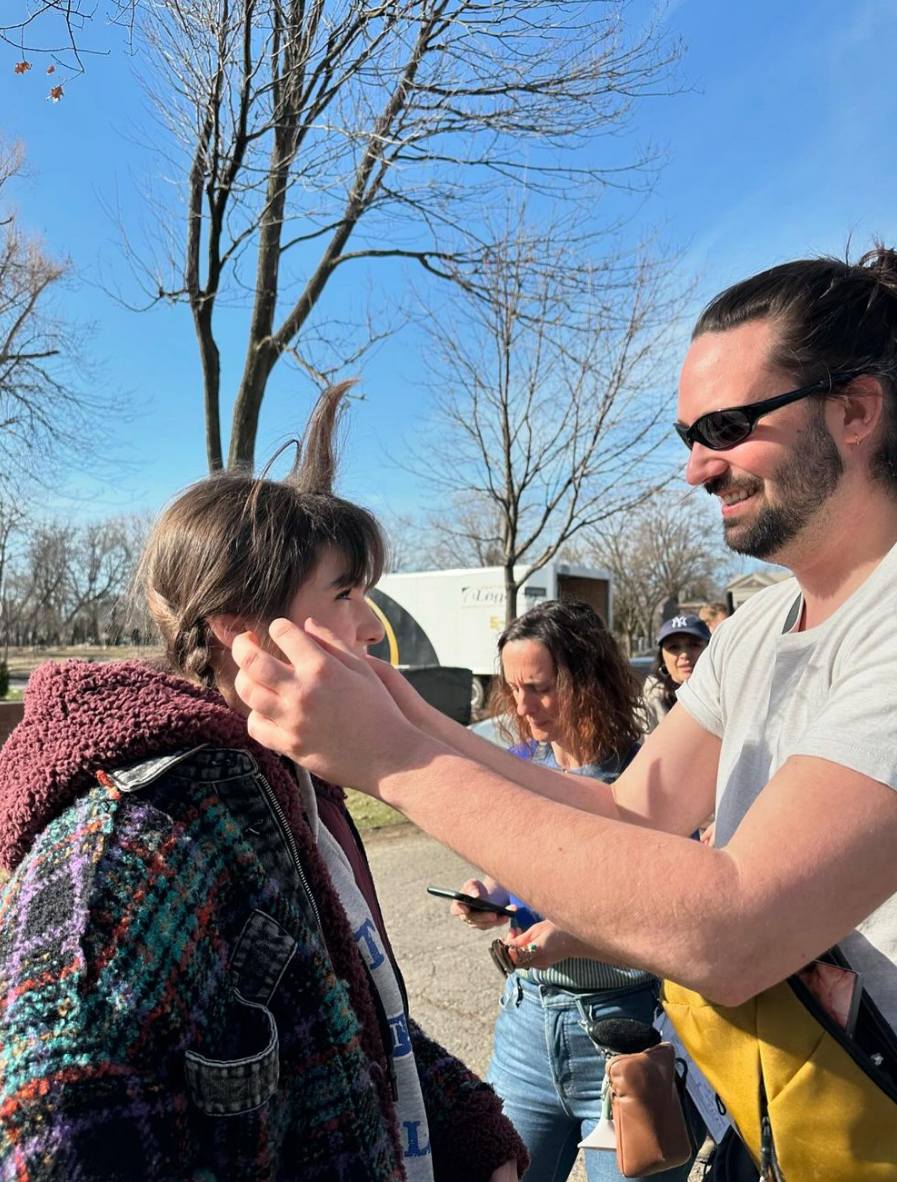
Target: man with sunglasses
(788,405)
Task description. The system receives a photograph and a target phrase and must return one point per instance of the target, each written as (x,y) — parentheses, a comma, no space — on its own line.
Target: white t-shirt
(829,692)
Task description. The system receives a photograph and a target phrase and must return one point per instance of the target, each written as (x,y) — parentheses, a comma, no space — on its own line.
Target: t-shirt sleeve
(857,726)
(700,695)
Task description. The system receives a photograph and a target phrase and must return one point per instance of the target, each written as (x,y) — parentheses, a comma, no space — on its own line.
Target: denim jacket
(184,999)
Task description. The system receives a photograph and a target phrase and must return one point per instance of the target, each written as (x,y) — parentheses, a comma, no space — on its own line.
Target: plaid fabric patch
(116,933)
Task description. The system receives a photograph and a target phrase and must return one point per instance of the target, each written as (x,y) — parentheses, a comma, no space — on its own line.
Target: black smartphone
(470,901)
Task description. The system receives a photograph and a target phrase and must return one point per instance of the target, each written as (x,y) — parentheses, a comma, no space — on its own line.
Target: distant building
(741,589)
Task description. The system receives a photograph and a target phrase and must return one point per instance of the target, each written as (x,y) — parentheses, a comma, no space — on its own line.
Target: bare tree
(43,407)
(12,520)
(316,137)
(70,583)
(551,394)
(468,534)
(667,549)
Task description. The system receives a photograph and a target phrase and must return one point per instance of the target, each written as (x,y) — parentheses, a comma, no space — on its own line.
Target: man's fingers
(259,666)
(256,696)
(330,641)
(298,646)
(269,734)
(302,645)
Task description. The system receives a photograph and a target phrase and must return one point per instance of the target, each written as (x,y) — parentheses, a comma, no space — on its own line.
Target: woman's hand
(543,945)
(484,920)
(506,1173)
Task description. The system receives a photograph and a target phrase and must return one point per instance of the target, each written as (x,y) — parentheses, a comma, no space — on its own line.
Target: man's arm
(675,794)
(812,858)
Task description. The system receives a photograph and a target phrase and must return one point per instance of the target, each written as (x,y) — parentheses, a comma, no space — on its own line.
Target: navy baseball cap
(690,625)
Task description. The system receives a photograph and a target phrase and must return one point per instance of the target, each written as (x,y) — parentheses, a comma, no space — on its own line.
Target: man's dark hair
(833,317)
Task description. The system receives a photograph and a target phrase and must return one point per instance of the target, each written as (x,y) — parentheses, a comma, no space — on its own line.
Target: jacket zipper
(287,834)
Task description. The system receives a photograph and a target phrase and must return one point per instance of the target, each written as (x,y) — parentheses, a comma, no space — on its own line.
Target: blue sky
(781,145)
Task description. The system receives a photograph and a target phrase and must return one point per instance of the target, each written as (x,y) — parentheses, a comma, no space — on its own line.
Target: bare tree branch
(310,136)
(45,410)
(667,549)
(548,410)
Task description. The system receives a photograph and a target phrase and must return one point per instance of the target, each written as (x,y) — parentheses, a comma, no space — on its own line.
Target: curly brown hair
(599,696)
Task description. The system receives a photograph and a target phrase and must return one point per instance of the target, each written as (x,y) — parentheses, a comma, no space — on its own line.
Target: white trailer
(454,617)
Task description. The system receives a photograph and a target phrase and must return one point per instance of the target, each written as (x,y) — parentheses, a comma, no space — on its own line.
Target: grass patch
(23,661)
(368,813)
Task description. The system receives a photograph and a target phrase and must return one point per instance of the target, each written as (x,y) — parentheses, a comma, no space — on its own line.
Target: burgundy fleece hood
(81,718)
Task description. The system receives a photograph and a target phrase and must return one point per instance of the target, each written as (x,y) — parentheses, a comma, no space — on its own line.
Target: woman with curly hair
(566,699)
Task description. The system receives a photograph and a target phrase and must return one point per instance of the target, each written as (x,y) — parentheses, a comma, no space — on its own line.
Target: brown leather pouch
(650,1126)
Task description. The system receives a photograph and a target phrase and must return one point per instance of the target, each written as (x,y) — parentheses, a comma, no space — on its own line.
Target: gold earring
(856,440)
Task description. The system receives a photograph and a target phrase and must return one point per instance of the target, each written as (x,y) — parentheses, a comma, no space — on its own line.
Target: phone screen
(470,901)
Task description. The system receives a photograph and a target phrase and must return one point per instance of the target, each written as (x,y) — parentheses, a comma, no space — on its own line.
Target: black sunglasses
(721,429)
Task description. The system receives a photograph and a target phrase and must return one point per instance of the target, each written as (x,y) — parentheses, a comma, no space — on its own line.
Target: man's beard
(802,486)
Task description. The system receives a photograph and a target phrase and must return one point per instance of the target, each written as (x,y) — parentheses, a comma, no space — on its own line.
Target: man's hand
(484,920)
(418,712)
(323,706)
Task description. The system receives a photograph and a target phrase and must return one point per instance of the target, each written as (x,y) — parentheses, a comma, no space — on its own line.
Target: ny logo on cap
(679,622)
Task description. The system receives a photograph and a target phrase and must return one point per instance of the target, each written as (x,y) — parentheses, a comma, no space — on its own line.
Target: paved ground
(453,985)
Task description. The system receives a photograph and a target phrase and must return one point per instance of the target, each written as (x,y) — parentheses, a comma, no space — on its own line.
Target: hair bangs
(357,536)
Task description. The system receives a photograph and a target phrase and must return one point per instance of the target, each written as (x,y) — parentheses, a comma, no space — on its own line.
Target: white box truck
(454,617)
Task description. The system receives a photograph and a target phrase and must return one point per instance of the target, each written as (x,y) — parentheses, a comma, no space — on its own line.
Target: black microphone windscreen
(623,1036)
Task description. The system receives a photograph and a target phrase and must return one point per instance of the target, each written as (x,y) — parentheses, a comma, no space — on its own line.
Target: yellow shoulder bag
(810,1104)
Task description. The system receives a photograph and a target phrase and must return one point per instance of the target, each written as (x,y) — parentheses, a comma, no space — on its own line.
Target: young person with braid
(195,978)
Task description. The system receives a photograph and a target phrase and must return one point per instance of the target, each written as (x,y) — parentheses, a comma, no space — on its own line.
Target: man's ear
(862,408)
(226,628)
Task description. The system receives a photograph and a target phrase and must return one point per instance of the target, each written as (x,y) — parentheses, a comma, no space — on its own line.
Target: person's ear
(862,407)
(226,628)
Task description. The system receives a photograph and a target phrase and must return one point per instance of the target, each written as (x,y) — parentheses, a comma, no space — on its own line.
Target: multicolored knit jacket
(180,993)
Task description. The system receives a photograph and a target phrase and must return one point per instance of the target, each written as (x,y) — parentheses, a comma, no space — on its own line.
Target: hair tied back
(881,264)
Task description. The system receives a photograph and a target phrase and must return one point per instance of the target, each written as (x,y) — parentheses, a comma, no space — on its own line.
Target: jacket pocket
(228,1087)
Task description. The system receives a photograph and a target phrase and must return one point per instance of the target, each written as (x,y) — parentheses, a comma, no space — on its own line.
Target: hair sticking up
(236,545)
(314,470)
(833,317)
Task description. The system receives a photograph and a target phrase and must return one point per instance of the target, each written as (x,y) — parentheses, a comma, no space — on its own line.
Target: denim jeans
(549,1074)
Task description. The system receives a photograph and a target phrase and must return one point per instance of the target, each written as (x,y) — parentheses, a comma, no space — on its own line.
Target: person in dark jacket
(195,979)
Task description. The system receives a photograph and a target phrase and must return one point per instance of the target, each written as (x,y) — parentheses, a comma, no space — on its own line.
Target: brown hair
(239,545)
(598,694)
(713,611)
(834,317)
